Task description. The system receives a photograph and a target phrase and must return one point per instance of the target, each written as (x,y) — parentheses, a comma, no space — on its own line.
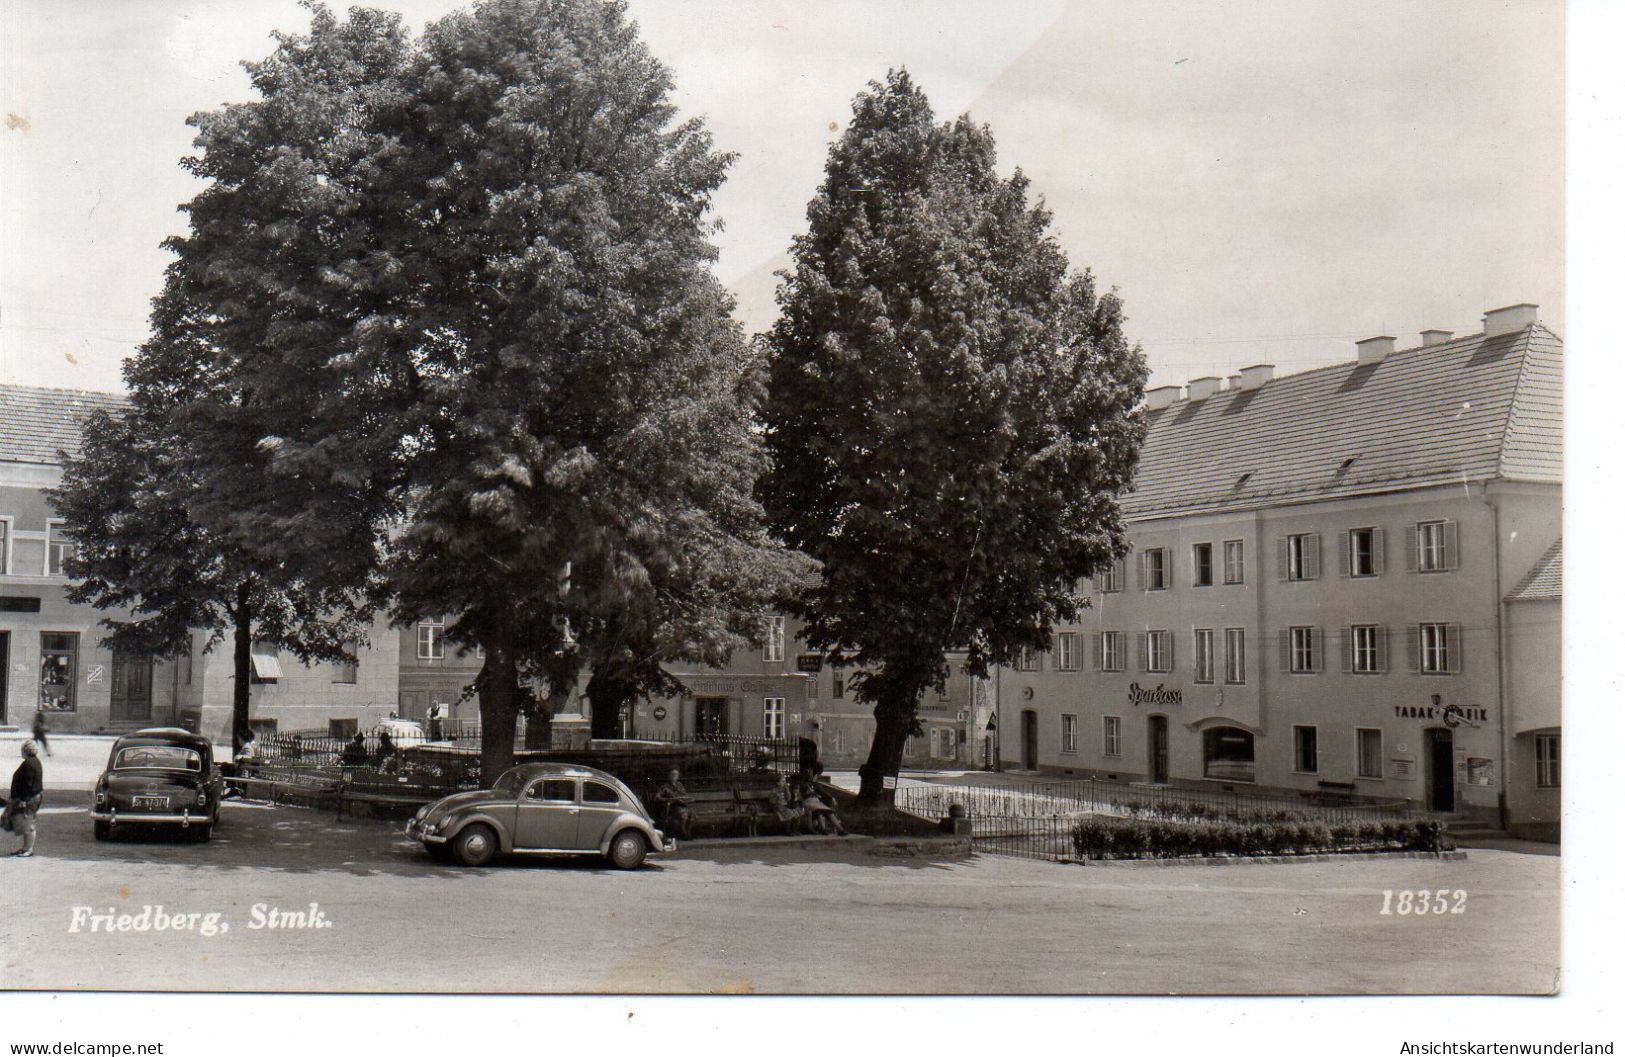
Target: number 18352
(1424,901)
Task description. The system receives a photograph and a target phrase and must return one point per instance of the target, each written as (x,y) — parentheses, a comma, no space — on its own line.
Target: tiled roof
(1470,409)
(1544,581)
(37,423)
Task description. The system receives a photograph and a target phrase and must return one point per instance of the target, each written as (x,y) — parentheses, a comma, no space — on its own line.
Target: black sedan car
(164,776)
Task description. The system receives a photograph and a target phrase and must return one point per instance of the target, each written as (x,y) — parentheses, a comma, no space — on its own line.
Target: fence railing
(1090,796)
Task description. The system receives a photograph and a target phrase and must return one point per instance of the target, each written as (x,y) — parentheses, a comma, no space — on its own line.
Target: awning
(266,666)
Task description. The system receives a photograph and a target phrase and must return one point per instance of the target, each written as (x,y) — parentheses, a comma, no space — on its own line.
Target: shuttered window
(1109,651)
(1431,547)
(1156,652)
(1234,566)
(1067,649)
(1365,649)
(1361,553)
(1110,578)
(1202,657)
(1299,556)
(1300,650)
(1235,656)
(1434,649)
(1154,569)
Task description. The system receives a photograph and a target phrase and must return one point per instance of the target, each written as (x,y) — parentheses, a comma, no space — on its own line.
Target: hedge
(1121,838)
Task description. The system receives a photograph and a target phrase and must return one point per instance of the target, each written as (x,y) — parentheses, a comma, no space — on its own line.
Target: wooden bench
(709,807)
(382,793)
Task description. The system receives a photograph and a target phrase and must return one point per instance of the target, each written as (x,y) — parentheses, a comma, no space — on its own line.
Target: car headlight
(202,797)
(422,811)
(101,796)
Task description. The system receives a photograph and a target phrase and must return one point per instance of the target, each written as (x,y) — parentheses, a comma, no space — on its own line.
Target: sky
(1262,181)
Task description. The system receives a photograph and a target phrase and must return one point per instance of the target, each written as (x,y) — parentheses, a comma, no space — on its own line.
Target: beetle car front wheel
(627,850)
(476,845)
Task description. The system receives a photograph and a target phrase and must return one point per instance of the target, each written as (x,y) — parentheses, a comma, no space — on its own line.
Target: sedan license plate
(150,801)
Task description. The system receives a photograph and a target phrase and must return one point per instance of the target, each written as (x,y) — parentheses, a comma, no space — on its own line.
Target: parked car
(542,809)
(163,776)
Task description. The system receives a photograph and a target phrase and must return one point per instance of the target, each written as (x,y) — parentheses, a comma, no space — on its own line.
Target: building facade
(51,657)
(783,689)
(1320,594)
(436,675)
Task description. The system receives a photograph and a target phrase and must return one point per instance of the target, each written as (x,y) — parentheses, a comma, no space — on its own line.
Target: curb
(1274,860)
(939,847)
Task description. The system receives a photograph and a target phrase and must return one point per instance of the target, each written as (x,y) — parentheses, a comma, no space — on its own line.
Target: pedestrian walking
(40,730)
(27,790)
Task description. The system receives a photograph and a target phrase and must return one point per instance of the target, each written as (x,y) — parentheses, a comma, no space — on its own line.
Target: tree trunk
(894,713)
(241,648)
(609,695)
(499,712)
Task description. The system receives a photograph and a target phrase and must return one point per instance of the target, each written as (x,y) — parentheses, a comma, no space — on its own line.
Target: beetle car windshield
(510,783)
(160,757)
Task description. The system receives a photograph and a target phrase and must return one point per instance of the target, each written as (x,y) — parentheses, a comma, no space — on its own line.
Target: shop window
(1069,732)
(1300,556)
(58,671)
(773,717)
(1369,751)
(1234,567)
(1112,736)
(1227,754)
(1548,761)
(773,647)
(1203,667)
(1235,656)
(1202,564)
(1305,750)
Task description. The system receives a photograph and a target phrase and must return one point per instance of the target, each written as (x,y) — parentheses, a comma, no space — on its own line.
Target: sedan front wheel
(476,845)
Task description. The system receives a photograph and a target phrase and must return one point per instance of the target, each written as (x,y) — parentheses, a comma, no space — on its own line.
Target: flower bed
(1120,838)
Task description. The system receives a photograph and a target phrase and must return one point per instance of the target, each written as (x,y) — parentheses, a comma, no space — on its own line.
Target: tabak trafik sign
(1449,715)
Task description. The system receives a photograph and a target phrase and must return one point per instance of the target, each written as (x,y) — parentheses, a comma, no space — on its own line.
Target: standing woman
(27,789)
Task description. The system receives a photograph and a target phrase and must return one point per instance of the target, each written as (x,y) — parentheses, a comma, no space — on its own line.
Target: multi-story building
(435,672)
(51,657)
(785,690)
(1342,582)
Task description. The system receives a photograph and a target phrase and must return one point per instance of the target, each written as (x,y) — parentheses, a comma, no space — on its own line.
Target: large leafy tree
(129,496)
(951,414)
(460,286)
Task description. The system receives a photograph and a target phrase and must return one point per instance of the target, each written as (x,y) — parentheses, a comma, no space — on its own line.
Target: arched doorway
(1029,740)
(1441,769)
(1156,739)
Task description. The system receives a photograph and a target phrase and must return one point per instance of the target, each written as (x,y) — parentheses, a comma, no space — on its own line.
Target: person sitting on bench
(674,796)
(787,807)
(821,817)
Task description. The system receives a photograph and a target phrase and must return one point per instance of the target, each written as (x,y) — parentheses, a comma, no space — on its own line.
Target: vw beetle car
(541,809)
(163,776)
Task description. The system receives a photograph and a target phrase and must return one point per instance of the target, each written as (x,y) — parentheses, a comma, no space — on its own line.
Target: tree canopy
(459,287)
(951,413)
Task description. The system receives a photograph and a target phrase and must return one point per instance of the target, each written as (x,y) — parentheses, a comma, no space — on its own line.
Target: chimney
(1202,388)
(1436,337)
(1255,376)
(1233,382)
(1374,350)
(1509,320)
(1160,397)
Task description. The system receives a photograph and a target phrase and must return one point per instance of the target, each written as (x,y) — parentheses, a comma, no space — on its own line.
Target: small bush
(1107,837)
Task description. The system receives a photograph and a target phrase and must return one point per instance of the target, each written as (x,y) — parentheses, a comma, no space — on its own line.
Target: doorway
(1441,777)
(710,716)
(132,688)
(1156,735)
(1029,740)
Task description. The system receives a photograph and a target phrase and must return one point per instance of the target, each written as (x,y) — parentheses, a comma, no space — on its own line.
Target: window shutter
(1450,541)
(1413,646)
(1412,534)
(1100,651)
(1281,552)
(1286,649)
(1379,546)
(1145,659)
(1168,658)
(1143,562)
(1347,635)
(1344,549)
(1382,648)
(1453,649)
(1316,645)
(1311,556)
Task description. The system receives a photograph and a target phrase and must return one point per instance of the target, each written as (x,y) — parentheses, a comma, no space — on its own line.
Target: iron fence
(1037,837)
(1090,796)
